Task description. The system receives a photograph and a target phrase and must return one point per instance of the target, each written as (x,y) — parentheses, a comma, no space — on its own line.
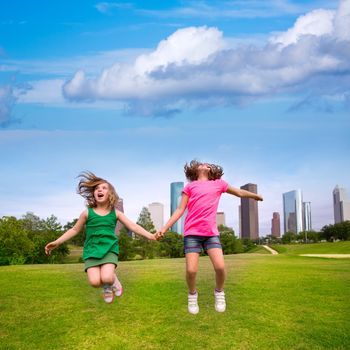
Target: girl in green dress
(101,246)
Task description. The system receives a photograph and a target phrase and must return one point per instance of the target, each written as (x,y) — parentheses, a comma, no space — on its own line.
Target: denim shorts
(195,244)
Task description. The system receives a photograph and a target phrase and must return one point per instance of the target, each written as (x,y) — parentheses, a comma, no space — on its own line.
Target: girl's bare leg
(217,259)
(94,276)
(191,271)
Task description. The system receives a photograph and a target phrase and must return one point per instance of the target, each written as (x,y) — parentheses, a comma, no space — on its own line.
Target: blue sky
(134,90)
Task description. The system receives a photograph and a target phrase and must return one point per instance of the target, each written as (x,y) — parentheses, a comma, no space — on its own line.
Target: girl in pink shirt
(201,198)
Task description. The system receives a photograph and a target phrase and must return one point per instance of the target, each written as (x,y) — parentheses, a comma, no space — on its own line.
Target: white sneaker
(220,302)
(193,304)
(117,288)
(118,292)
(108,295)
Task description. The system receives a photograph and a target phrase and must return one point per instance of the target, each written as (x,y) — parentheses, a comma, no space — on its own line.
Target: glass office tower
(157,214)
(293,211)
(175,198)
(307,226)
(276,225)
(249,214)
(341,205)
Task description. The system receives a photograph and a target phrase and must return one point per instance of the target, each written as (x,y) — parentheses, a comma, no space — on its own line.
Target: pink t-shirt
(203,202)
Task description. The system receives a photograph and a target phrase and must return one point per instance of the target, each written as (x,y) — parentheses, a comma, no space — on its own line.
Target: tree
(337,231)
(289,237)
(308,236)
(144,247)
(48,230)
(79,239)
(248,244)
(171,245)
(145,220)
(15,245)
(230,244)
(126,251)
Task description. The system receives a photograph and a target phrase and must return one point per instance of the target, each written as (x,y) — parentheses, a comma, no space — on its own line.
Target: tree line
(22,241)
(329,233)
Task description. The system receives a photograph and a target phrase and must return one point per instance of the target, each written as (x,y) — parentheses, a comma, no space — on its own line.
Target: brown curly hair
(191,171)
(87,185)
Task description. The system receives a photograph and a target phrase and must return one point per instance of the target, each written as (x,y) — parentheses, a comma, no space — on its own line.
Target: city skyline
(249,214)
(134,92)
(175,198)
(293,211)
(276,225)
(156,210)
(341,204)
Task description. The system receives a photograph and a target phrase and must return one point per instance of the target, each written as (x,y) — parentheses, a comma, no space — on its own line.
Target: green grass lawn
(273,302)
(314,248)
(259,249)
(75,255)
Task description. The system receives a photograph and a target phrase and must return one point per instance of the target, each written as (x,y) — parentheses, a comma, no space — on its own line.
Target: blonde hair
(191,171)
(87,185)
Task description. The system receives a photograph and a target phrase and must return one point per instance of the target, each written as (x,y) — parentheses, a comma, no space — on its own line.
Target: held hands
(50,246)
(160,235)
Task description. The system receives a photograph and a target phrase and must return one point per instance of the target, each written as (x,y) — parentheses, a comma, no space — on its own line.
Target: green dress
(101,243)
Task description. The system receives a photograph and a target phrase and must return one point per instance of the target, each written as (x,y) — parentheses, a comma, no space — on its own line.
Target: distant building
(341,205)
(157,214)
(120,207)
(276,225)
(293,211)
(249,214)
(220,218)
(307,225)
(239,221)
(175,198)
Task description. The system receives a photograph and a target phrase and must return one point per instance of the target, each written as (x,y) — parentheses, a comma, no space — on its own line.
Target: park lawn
(273,302)
(258,249)
(75,255)
(342,247)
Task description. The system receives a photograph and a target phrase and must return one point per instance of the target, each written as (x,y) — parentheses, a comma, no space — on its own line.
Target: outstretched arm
(243,193)
(134,227)
(176,216)
(68,234)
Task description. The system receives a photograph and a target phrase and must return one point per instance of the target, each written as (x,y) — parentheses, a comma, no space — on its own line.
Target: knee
(220,269)
(191,272)
(108,279)
(95,282)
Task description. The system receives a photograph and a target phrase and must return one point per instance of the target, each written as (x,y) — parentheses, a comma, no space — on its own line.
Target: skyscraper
(240,221)
(157,214)
(175,198)
(292,211)
(120,207)
(341,205)
(249,214)
(307,225)
(220,218)
(276,225)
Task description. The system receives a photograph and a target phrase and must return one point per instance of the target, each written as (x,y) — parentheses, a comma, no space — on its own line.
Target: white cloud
(232,9)
(65,67)
(342,21)
(7,101)
(186,46)
(317,23)
(107,7)
(44,91)
(195,67)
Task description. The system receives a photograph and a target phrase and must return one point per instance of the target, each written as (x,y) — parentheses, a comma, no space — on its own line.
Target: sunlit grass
(273,302)
(314,248)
